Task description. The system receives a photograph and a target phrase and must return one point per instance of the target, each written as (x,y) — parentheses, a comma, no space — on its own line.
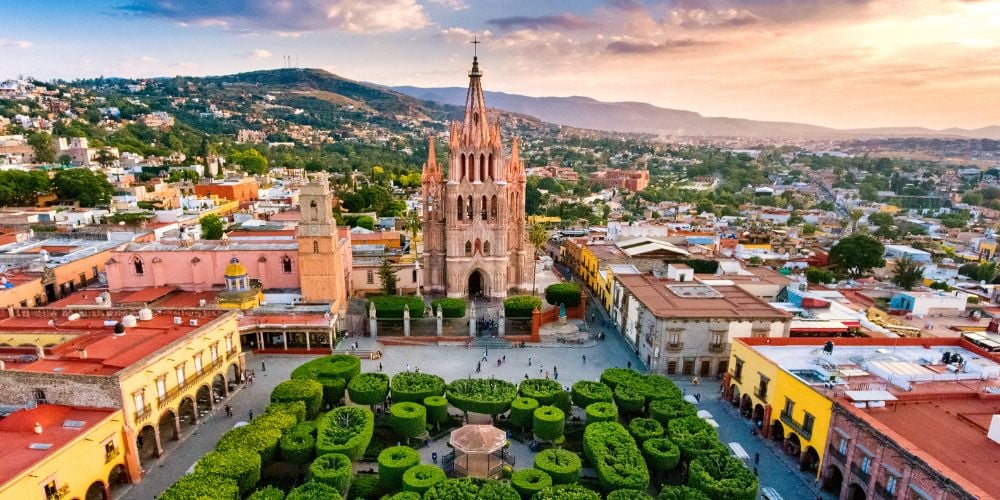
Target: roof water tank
(145,314)
(129,321)
(119,329)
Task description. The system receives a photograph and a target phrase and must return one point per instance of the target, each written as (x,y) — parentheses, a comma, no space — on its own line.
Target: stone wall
(17,388)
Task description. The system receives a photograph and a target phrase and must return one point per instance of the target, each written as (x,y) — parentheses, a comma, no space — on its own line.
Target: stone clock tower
(321,268)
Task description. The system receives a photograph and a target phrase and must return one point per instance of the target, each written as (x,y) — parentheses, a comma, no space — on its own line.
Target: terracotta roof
(727,302)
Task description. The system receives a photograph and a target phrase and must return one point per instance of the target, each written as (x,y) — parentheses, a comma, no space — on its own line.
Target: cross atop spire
(475,46)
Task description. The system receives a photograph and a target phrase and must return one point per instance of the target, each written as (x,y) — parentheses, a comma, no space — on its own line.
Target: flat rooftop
(674,299)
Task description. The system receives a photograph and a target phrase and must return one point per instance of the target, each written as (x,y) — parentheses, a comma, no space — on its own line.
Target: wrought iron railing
(196,378)
(834,452)
(111,454)
(143,413)
(795,426)
(862,474)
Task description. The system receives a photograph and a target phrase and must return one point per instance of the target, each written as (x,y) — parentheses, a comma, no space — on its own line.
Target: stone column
(440,322)
(372,324)
(284,337)
(406,321)
(472,321)
(766,430)
(307,341)
(260,339)
(501,319)
(329,339)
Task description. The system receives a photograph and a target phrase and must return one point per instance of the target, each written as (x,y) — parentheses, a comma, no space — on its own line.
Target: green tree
(856,255)
(250,160)
(89,188)
(387,276)
(41,144)
(211,227)
(537,236)
(987,271)
(880,219)
(105,158)
(819,275)
(907,273)
(855,216)
(412,223)
(64,160)
(809,229)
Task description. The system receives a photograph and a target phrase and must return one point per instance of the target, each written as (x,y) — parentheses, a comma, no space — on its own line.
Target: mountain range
(644,118)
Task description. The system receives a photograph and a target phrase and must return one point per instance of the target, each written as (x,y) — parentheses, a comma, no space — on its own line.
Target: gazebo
(479,451)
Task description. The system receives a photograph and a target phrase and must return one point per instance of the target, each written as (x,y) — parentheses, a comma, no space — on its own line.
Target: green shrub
(365,486)
(722,477)
(665,410)
(471,488)
(391,306)
(694,437)
(521,306)
(297,444)
(561,465)
(611,377)
(368,388)
(601,412)
(262,440)
(541,390)
(332,372)
(410,387)
(308,391)
(420,478)
(661,454)
(314,491)
(201,486)
(615,457)
(332,469)
(659,387)
(628,495)
(566,492)
(586,393)
(479,395)
(240,466)
(408,419)
(281,417)
(296,409)
(437,410)
(548,423)
(629,397)
(267,493)
(346,430)
(680,493)
(333,390)
(644,428)
(527,482)
(406,495)
(393,462)
(563,294)
(522,412)
(450,307)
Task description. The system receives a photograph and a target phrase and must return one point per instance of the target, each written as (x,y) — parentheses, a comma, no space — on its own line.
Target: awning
(870,395)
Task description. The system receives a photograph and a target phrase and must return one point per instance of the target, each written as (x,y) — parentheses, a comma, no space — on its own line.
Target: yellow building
(543,219)
(56,452)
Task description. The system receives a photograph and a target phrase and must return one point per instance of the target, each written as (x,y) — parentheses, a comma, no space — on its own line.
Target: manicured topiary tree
(522,412)
(548,423)
(202,486)
(409,420)
(346,430)
(602,412)
(561,465)
(586,393)
(465,487)
(282,416)
(722,477)
(644,428)
(521,306)
(406,495)
(297,444)
(393,462)
(629,397)
(660,387)
(616,458)
(611,377)
(661,454)
(294,408)
(261,440)
(420,478)
(541,390)
(566,492)
(628,495)
(665,410)
(477,395)
(437,410)
(694,437)
(313,490)
(414,387)
(392,306)
(240,466)
(368,388)
(332,372)
(308,391)
(670,492)
(527,482)
(267,493)
(563,293)
(332,469)
(450,307)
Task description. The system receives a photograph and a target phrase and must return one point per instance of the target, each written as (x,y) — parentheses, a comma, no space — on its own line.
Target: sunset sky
(839,63)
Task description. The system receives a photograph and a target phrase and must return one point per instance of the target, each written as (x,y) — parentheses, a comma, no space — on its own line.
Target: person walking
(529,360)
(251,414)
(584,359)
(504,358)
(380,367)
(756,458)
(629,365)
(546,375)
(262,367)
(407,368)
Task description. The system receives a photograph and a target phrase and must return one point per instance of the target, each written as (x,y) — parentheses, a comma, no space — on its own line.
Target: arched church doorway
(475,284)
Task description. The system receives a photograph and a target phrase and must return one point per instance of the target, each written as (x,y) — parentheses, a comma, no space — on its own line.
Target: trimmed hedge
(391,306)
(541,390)
(450,308)
(199,486)
(267,493)
(670,492)
(566,492)
(262,440)
(314,491)
(368,388)
(660,387)
(561,465)
(408,419)
(548,422)
(421,478)
(479,395)
(628,495)
(364,486)
(415,387)
(644,428)
(694,437)
(521,306)
(586,393)
(527,482)
(333,469)
(297,444)
(296,409)
(522,412)
(393,462)
(611,377)
(240,466)
(471,488)
(629,397)
(665,410)
(308,391)
(437,409)
(405,495)
(333,372)
(661,454)
(563,293)
(615,457)
(281,417)
(601,412)
(722,477)
(346,430)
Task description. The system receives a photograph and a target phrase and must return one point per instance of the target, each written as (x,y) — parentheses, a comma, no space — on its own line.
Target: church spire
(431,170)
(476,128)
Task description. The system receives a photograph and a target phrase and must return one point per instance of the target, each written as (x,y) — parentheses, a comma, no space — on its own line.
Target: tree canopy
(89,188)
(856,255)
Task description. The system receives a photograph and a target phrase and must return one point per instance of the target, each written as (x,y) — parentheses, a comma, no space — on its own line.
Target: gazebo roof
(478,438)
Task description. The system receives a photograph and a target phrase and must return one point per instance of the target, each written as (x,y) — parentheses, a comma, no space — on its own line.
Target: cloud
(451,4)
(462,35)
(701,18)
(561,21)
(260,54)
(286,16)
(6,43)
(650,47)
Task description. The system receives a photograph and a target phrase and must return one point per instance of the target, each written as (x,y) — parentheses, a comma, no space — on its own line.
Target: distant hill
(638,117)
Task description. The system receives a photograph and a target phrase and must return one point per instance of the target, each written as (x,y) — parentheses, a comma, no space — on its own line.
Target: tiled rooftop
(725,302)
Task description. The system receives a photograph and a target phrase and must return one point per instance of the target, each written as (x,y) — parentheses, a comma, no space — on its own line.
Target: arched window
(493,208)
(486,248)
(286,264)
(482,167)
(315,211)
(468,208)
(472,168)
(492,168)
(484,208)
(463,168)
(315,246)
(460,207)
(468,248)
(479,245)
(139,268)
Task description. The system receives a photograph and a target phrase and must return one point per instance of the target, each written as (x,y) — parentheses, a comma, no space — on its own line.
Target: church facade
(475,241)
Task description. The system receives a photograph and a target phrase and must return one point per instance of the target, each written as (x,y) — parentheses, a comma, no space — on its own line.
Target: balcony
(194,379)
(143,413)
(717,347)
(795,426)
(738,376)
(760,392)
(860,473)
(675,346)
(882,492)
(111,455)
(832,451)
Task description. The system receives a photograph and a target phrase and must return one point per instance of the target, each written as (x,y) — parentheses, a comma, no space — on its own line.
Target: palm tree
(855,216)
(413,224)
(537,236)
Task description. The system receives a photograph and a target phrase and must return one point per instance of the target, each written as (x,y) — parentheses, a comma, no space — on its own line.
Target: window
(674,338)
(671,367)
(40,396)
(137,263)
(213,351)
(688,368)
(197,363)
(716,338)
(460,203)
(229,343)
(83,279)
(51,491)
(468,248)
(738,370)
(161,386)
(493,207)
(414,275)
(140,403)
(486,248)
(789,407)
(842,446)
(762,388)
(807,422)
(891,482)
(866,464)
(180,375)
(468,208)
(286,264)
(371,277)
(315,246)
(110,451)
(94,269)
